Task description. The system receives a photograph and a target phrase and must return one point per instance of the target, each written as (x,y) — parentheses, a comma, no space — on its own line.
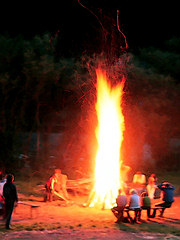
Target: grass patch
(149,227)
(153,227)
(127,227)
(79,225)
(34,226)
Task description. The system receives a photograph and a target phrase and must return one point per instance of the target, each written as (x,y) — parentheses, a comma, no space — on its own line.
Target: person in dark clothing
(167,197)
(50,188)
(121,202)
(10,197)
(146,203)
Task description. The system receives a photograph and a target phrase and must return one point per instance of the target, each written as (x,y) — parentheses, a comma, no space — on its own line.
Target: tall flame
(109,134)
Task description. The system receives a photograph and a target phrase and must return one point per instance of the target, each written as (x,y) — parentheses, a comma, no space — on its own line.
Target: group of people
(141,198)
(139,182)
(55,186)
(8,197)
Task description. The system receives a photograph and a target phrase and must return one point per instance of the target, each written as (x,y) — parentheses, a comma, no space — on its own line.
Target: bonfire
(109,134)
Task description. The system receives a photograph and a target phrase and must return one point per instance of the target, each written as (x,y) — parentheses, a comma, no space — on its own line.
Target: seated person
(167,197)
(146,203)
(139,182)
(134,204)
(139,178)
(121,202)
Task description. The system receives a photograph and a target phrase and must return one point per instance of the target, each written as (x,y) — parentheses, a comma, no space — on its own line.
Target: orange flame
(109,134)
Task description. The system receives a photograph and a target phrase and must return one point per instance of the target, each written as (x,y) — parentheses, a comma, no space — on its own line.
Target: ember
(109,134)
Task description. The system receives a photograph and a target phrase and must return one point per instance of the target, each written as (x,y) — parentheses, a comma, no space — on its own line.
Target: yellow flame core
(109,134)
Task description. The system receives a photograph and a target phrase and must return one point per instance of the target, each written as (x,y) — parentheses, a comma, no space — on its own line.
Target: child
(146,203)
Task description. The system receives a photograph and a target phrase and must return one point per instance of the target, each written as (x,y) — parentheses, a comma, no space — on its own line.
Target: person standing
(49,186)
(121,202)
(151,187)
(60,185)
(10,197)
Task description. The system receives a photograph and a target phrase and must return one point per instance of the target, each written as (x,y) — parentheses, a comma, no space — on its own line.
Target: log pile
(81,186)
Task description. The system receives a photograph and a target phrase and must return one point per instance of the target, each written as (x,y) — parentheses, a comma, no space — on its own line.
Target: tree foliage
(43,92)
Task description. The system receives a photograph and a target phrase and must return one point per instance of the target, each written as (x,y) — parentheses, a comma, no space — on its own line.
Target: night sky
(144,24)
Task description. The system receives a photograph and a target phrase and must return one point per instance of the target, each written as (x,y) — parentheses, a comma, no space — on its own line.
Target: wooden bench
(137,213)
(32,207)
(161,209)
(158,208)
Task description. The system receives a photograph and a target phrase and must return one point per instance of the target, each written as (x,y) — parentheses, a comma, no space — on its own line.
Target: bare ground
(82,234)
(56,221)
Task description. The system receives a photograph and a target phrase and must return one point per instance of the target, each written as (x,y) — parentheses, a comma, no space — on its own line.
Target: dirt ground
(76,234)
(56,221)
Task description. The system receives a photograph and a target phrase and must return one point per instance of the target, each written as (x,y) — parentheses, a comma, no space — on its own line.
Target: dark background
(47,90)
(144,24)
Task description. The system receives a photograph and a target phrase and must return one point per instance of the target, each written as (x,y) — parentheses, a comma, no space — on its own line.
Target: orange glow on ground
(109,134)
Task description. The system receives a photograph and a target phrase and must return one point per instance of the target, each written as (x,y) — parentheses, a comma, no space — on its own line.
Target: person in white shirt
(134,204)
(134,201)
(139,178)
(151,187)
(139,182)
